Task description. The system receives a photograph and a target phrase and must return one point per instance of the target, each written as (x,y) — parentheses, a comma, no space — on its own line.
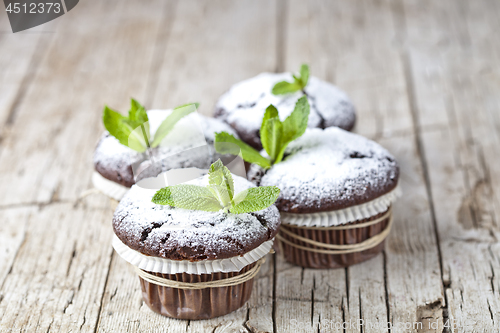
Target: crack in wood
(386,288)
(99,310)
(275,278)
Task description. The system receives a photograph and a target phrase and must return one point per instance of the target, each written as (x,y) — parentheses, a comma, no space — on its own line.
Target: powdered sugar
(176,233)
(243,106)
(185,146)
(331,169)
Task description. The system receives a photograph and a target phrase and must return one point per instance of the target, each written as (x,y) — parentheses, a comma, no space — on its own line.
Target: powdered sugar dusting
(331,169)
(175,233)
(243,106)
(186,146)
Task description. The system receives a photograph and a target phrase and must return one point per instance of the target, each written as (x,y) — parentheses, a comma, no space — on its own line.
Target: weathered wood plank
(212,46)
(199,65)
(461,154)
(58,121)
(353,45)
(18,66)
(58,277)
(12,236)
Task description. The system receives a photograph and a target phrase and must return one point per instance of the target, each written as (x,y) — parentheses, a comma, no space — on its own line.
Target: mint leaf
(266,133)
(113,122)
(131,131)
(219,175)
(137,112)
(294,126)
(285,87)
(225,143)
(304,75)
(272,134)
(254,199)
(187,197)
(196,105)
(168,124)
(217,195)
(299,82)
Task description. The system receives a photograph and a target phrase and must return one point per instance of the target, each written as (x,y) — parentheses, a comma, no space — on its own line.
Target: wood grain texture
(461,150)
(59,122)
(196,53)
(219,43)
(368,65)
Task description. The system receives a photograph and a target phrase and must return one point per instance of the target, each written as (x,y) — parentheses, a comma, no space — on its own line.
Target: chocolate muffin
(117,167)
(243,106)
(191,246)
(337,190)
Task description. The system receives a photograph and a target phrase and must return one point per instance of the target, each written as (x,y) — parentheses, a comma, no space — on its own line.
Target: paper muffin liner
(194,304)
(346,215)
(168,266)
(310,259)
(200,303)
(108,187)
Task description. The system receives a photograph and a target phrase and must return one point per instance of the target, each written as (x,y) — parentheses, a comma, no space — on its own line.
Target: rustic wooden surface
(424,76)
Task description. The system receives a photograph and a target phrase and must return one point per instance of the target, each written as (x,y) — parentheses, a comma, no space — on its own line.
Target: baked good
(244,104)
(192,246)
(190,144)
(337,190)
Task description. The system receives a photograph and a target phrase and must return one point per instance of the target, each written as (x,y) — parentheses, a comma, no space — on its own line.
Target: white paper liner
(343,216)
(108,187)
(167,266)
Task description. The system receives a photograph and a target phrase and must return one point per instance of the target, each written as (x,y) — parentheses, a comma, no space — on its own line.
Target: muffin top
(182,234)
(186,146)
(331,169)
(243,106)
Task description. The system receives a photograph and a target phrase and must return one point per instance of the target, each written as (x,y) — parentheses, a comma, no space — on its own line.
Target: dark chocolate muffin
(331,180)
(243,106)
(191,246)
(188,145)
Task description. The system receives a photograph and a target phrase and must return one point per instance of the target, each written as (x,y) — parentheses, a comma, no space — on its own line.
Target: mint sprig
(275,136)
(299,82)
(133,130)
(218,195)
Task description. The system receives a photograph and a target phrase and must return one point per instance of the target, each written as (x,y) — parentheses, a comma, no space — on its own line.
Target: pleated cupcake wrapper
(108,187)
(311,259)
(167,266)
(199,303)
(343,216)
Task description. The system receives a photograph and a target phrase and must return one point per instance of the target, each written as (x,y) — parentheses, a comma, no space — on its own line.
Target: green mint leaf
(139,122)
(272,136)
(299,82)
(254,199)
(265,134)
(225,143)
(285,87)
(168,124)
(304,75)
(119,126)
(113,123)
(138,138)
(294,126)
(187,197)
(196,105)
(131,131)
(219,175)
(137,112)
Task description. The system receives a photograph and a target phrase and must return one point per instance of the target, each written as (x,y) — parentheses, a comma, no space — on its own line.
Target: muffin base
(311,259)
(196,304)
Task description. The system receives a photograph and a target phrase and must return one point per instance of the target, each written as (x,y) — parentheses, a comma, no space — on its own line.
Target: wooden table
(425,78)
